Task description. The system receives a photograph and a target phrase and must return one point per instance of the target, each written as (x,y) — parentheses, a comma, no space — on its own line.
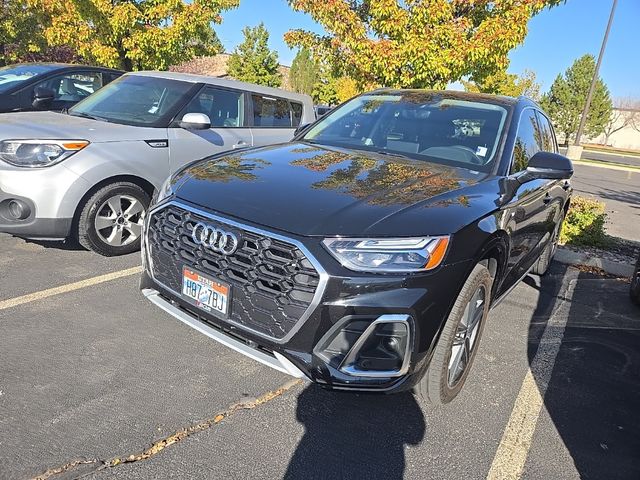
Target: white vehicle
(90,173)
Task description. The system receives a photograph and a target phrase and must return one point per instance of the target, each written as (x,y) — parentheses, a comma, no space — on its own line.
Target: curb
(570,257)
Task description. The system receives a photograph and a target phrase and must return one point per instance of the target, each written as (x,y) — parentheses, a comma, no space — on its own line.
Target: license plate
(208,294)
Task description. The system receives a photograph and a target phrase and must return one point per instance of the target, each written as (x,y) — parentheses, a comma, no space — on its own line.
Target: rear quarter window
(272,112)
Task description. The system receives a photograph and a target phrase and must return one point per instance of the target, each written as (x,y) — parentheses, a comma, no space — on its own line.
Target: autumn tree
(304,72)
(415,43)
(625,114)
(134,34)
(252,61)
(20,31)
(568,94)
(510,84)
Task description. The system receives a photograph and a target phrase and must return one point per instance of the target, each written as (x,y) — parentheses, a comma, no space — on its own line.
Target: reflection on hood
(377,181)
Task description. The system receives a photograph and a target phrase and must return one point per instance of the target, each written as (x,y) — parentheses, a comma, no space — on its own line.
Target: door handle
(241,144)
(566,185)
(546,199)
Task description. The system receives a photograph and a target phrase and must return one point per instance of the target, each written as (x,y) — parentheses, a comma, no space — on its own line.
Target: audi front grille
(275,282)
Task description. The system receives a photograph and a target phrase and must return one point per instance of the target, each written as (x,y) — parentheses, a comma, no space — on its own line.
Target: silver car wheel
(119,220)
(466,335)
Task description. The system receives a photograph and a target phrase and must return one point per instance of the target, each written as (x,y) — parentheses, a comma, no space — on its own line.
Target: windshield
(419,125)
(135,100)
(13,76)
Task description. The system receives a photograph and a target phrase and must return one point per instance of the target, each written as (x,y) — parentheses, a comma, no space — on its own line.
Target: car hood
(312,190)
(23,125)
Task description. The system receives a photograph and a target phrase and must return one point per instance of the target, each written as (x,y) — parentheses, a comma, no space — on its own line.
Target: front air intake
(383,349)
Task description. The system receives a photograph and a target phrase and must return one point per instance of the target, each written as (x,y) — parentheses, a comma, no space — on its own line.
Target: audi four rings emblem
(214,238)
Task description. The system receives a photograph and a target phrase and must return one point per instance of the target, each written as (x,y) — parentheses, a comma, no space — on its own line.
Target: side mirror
(300,128)
(548,166)
(195,121)
(42,97)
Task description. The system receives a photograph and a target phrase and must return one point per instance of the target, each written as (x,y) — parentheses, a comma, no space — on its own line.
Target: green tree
(133,34)
(304,72)
(415,43)
(565,100)
(510,84)
(252,61)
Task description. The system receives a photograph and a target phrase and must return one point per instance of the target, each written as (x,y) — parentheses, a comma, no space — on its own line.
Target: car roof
(224,82)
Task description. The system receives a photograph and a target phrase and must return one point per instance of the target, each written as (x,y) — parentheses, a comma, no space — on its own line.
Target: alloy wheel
(465,340)
(119,220)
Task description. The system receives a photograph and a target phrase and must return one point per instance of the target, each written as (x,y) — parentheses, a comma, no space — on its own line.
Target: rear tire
(459,341)
(634,291)
(110,221)
(541,267)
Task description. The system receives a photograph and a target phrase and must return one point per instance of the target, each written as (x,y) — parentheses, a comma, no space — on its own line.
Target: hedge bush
(585,223)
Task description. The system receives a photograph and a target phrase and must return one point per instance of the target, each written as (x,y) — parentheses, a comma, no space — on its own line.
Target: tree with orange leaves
(415,43)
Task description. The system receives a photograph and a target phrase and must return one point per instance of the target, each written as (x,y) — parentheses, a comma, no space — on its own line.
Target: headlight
(165,191)
(388,254)
(38,153)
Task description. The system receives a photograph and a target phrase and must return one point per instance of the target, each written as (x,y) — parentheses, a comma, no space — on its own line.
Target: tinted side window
(296,109)
(224,108)
(548,140)
(73,87)
(528,142)
(271,112)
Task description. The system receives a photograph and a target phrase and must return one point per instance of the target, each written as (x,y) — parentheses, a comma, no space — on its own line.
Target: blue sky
(556,37)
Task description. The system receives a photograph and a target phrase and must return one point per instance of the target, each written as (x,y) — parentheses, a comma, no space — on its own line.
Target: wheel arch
(494,254)
(146,185)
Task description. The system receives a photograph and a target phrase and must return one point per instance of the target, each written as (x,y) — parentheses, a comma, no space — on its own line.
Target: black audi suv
(366,253)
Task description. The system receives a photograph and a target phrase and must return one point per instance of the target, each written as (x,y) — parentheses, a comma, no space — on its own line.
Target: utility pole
(575,151)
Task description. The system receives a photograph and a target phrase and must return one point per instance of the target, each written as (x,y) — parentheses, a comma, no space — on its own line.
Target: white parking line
(510,458)
(50,292)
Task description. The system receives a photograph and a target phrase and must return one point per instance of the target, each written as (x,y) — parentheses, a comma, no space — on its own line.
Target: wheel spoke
(135,208)
(115,204)
(135,230)
(115,238)
(478,311)
(454,364)
(467,352)
(103,222)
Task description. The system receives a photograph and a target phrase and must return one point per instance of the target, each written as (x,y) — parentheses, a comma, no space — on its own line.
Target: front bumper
(275,360)
(47,197)
(348,304)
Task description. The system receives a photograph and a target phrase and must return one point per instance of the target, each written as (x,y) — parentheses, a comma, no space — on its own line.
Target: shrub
(585,223)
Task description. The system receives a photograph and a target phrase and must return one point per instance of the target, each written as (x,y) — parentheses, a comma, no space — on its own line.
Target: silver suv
(90,173)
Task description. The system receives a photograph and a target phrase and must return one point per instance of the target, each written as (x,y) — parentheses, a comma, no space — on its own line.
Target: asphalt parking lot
(97,383)
(619,189)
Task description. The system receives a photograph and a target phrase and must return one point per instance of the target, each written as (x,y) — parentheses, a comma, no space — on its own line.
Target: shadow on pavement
(66,245)
(351,436)
(593,395)
(630,197)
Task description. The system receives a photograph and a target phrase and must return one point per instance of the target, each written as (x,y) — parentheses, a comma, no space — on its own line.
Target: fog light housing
(14,209)
(383,349)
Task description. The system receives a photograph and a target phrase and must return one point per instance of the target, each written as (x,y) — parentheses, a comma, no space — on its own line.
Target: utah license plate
(208,294)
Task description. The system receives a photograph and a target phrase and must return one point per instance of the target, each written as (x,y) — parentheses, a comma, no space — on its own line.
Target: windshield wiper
(391,154)
(86,115)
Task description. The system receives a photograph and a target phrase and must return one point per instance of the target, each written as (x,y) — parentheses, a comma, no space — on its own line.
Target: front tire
(110,221)
(459,340)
